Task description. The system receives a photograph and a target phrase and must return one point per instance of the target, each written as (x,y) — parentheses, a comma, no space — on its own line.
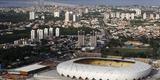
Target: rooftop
(30,67)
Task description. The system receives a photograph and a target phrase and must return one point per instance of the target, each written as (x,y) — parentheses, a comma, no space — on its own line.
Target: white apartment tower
(56,14)
(93,39)
(106,16)
(117,14)
(132,16)
(157,16)
(86,10)
(67,15)
(40,34)
(144,16)
(123,15)
(128,16)
(31,15)
(43,17)
(113,15)
(81,41)
(50,31)
(74,17)
(45,32)
(138,12)
(151,16)
(57,32)
(33,34)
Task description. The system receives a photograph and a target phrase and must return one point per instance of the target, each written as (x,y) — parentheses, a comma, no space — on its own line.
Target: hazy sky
(113,2)
(84,2)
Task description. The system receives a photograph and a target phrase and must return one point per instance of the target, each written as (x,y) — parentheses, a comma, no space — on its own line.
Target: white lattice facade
(137,71)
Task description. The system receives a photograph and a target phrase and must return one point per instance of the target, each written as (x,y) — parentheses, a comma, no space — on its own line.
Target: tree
(158,52)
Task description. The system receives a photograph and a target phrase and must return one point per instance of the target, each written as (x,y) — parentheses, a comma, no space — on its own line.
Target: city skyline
(79,40)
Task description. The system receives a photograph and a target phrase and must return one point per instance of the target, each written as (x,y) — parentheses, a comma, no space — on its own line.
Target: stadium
(104,69)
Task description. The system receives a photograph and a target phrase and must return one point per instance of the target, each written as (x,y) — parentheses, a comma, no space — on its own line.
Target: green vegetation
(74,31)
(158,79)
(139,17)
(13,16)
(129,52)
(17,34)
(152,52)
(137,22)
(3,27)
(157,23)
(155,43)
(17,56)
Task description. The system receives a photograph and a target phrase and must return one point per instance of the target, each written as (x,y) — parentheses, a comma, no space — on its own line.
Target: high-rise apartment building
(31,15)
(45,32)
(50,32)
(93,39)
(56,14)
(67,15)
(40,34)
(57,32)
(81,37)
(33,35)
(144,16)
